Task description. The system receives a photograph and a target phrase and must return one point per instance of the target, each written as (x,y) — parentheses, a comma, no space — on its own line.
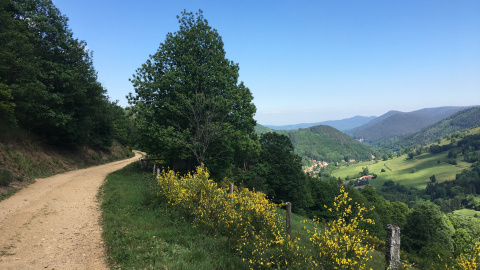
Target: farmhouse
(365,178)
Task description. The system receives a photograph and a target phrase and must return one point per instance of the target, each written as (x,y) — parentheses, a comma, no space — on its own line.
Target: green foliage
(6,104)
(47,81)
(188,101)
(425,225)
(283,177)
(6,177)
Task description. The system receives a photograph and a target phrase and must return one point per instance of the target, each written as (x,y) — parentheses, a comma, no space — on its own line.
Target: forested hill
(326,143)
(464,119)
(395,123)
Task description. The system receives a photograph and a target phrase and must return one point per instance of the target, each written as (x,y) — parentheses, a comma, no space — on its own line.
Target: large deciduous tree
(189,102)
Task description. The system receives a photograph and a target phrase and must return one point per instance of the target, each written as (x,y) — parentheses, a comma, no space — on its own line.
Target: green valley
(413,170)
(409,172)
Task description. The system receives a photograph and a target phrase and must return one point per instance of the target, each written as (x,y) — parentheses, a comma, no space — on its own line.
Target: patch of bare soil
(55,222)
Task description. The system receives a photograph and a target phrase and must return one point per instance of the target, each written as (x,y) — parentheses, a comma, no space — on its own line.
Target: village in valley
(316,167)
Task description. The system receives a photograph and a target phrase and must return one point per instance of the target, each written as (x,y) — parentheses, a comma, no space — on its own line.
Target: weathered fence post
(154,167)
(289,219)
(230,191)
(392,247)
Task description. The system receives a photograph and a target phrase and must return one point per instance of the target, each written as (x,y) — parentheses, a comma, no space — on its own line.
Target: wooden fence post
(392,247)
(154,167)
(230,188)
(289,219)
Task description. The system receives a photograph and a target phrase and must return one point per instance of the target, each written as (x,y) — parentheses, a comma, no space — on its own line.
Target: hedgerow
(254,227)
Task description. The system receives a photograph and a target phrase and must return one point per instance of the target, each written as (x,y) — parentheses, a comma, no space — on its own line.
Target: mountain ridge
(395,123)
(342,124)
(464,119)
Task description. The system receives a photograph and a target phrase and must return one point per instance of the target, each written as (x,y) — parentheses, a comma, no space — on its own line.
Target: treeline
(48,85)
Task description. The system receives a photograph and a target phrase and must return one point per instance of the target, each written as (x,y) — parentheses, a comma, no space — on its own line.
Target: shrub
(6,177)
(465,261)
(254,228)
(250,222)
(342,244)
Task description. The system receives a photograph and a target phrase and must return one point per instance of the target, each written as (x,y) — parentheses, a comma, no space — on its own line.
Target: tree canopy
(189,103)
(48,84)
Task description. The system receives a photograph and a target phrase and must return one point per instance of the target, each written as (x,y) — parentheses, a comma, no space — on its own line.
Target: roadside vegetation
(150,224)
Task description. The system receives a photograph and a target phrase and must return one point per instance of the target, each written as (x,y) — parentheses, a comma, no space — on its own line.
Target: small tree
(433,179)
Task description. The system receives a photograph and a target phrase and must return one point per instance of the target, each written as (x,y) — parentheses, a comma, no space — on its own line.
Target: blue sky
(305,61)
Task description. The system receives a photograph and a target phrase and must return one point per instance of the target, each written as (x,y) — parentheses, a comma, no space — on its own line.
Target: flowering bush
(255,229)
(466,261)
(341,244)
(249,220)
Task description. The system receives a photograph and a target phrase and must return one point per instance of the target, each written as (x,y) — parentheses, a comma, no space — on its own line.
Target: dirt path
(54,223)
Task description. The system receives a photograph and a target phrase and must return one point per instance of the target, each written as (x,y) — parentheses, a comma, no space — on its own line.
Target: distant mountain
(395,123)
(326,143)
(343,125)
(467,118)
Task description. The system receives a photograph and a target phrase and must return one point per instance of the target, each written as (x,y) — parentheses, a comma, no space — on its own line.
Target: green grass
(142,233)
(467,212)
(399,170)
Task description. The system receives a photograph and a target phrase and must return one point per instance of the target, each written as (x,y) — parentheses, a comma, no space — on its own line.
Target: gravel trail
(55,222)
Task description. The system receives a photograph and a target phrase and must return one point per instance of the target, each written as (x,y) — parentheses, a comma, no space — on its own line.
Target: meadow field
(467,212)
(409,172)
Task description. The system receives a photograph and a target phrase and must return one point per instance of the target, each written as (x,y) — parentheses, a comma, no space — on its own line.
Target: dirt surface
(55,222)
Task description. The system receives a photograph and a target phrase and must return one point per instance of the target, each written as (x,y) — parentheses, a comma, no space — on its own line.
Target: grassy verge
(141,233)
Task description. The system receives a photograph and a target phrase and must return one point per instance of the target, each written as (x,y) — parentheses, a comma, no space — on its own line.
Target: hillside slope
(463,119)
(326,143)
(395,123)
(23,158)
